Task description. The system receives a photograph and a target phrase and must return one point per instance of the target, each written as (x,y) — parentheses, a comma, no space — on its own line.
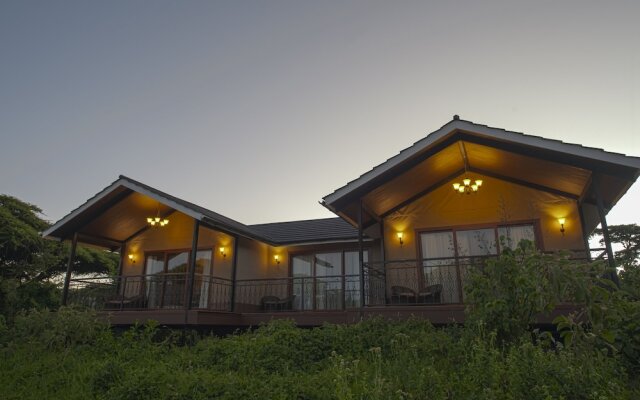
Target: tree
(628,236)
(30,266)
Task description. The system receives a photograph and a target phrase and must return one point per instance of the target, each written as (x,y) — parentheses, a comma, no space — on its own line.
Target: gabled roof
(124,186)
(282,233)
(575,155)
(312,230)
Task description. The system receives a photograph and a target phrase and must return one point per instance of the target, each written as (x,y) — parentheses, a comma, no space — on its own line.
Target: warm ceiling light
(400,236)
(132,259)
(157,221)
(277,259)
(222,252)
(467,187)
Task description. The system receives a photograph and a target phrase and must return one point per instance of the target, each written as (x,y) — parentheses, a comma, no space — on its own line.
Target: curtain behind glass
(302,282)
(154,267)
(328,281)
(352,278)
(439,264)
(176,279)
(202,284)
(510,236)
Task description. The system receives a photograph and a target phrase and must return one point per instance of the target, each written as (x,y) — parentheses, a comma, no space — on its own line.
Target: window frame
(165,257)
(313,253)
(456,258)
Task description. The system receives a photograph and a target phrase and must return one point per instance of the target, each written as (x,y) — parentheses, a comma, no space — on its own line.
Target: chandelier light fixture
(157,221)
(466,187)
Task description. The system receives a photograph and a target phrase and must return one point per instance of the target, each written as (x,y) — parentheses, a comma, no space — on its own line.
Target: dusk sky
(256,110)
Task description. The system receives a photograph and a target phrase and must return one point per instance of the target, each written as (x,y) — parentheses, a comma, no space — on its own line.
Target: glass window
(326,281)
(476,242)
(352,278)
(154,267)
(447,265)
(510,236)
(202,282)
(166,279)
(302,282)
(440,269)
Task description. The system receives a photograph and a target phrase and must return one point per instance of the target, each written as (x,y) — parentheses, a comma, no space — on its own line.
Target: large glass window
(447,255)
(166,278)
(510,236)
(326,281)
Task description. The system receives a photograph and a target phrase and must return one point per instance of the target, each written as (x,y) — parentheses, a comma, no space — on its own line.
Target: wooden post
(383,264)
(361,258)
(585,236)
(120,267)
(192,265)
(234,268)
(67,278)
(605,230)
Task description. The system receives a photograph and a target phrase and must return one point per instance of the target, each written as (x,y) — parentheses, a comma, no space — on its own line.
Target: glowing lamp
(400,237)
(561,221)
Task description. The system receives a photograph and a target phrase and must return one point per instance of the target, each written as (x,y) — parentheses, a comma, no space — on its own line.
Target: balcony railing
(161,291)
(430,281)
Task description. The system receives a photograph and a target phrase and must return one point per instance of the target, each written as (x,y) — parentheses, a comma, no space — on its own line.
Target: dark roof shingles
(314,230)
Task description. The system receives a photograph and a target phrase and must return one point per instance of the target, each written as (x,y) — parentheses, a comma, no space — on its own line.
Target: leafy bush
(374,359)
(506,294)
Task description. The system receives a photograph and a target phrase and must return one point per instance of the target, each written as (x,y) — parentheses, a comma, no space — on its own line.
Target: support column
(192,265)
(123,248)
(585,236)
(234,269)
(67,277)
(605,230)
(383,267)
(361,257)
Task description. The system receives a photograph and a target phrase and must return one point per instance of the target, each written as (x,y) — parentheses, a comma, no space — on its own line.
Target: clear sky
(258,109)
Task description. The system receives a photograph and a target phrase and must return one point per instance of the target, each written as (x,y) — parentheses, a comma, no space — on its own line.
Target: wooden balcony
(430,288)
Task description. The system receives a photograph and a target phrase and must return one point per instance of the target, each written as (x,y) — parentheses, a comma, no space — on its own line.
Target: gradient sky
(258,109)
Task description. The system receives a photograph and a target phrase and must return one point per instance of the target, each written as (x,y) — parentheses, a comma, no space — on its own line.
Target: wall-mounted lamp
(561,221)
(276,258)
(223,253)
(132,259)
(400,236)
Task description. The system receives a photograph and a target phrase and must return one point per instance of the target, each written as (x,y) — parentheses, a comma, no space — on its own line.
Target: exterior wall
(259,274)
(178,235)
(497,202)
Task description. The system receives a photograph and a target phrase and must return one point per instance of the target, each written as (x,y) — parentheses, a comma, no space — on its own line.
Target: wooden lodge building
(405,235)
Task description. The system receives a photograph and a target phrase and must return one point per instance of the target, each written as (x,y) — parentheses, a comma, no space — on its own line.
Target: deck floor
(437,314)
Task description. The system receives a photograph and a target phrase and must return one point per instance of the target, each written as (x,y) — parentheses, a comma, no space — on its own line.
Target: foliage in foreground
(30,265)
(68,354)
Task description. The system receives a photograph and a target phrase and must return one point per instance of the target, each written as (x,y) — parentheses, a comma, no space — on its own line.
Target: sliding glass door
(448,255)
(326,281)
(165,278)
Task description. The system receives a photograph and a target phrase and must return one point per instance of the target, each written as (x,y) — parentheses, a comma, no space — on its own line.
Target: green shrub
(75,357)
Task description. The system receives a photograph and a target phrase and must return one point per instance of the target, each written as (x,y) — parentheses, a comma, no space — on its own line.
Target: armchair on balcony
(121,302)
(431,294)
(275,303)
(402,295)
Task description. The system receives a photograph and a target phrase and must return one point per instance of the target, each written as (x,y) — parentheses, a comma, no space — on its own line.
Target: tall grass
(70,355)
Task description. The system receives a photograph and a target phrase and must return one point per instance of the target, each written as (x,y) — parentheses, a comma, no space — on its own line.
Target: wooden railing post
(192,265)
(67,277)
(605,230)
(234,274)
(361,257)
